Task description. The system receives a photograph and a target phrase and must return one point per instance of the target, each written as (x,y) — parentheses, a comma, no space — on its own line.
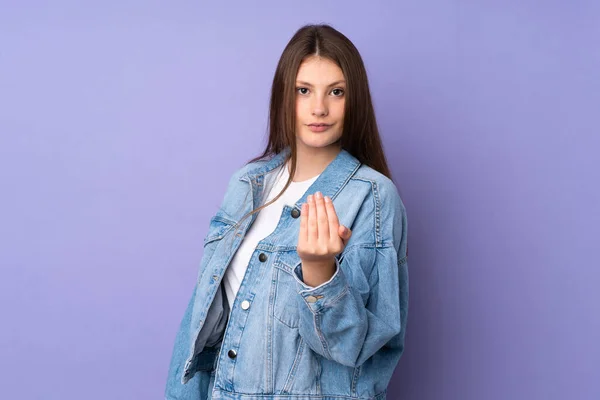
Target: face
(320,99)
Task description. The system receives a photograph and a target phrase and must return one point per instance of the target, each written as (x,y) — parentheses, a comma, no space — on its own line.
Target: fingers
(348,233)
(320,230)
(333,218)
(312,220)
(322,220)
(303,235)
(344,232)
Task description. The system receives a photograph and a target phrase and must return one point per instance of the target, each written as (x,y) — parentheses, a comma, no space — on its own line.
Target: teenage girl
(302,291)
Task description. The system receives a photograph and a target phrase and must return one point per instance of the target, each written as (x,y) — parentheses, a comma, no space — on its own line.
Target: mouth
(319,127)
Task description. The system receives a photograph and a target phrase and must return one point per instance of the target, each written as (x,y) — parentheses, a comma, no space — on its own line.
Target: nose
(319,107)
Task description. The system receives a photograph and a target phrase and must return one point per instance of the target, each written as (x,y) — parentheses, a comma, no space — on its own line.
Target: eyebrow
(331,84)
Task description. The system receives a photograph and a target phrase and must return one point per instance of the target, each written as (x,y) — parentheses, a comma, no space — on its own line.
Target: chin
(316,140)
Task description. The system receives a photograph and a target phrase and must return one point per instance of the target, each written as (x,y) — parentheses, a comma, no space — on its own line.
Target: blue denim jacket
(283,339)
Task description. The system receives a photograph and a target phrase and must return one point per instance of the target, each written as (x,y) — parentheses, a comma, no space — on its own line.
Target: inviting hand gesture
(321,238)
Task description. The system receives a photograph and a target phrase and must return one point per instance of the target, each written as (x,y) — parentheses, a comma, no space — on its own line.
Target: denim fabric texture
(283,339)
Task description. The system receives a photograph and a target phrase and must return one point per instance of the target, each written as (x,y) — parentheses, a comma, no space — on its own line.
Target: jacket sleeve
(363,306)
(197,387)
(341,322)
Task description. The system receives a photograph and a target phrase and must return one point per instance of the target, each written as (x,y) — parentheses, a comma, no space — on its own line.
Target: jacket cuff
(326,294)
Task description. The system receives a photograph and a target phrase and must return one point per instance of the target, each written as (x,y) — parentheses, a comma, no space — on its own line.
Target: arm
(359,303)
(350,317)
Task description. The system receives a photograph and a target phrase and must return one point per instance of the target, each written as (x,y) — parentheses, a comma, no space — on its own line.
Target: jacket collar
(330,182)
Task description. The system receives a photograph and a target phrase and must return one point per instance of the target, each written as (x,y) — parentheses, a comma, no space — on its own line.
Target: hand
(321,236)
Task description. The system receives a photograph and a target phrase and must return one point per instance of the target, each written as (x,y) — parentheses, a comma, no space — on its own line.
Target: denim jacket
(283,339)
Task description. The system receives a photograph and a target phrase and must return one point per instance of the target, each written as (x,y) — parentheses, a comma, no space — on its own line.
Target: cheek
(301,107)
(339,110)
(298,115)
(340,115)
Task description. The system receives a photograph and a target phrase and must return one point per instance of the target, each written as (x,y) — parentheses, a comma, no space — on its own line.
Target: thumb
(345,232)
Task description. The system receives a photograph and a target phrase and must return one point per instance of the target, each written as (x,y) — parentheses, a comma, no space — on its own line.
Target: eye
(338,92)
(302,90)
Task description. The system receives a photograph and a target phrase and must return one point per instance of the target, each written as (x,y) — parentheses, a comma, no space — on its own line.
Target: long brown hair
(360,136)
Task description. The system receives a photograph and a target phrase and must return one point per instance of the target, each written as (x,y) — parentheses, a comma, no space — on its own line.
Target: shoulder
(243,170)
(237,190)
(383,190)
(380,207)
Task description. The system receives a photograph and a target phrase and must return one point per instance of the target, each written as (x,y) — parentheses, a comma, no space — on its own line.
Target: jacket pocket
(285,306)
(219,226)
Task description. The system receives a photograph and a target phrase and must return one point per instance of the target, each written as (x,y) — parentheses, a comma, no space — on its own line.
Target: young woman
(302,291)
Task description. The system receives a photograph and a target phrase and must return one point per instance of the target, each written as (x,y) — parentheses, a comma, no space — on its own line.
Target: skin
(320,98)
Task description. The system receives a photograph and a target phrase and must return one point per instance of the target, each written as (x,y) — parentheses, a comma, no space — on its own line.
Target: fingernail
(327,199)
(309,198)
(319,195)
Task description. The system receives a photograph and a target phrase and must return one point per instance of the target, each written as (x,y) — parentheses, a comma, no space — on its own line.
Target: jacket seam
(292,373)
(317,319)
(339,396)
(335,299)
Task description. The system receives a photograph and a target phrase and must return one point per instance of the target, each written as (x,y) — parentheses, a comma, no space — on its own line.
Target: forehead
(319,71)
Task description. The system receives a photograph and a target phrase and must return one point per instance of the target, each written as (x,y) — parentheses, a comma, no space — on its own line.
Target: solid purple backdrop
(121,122)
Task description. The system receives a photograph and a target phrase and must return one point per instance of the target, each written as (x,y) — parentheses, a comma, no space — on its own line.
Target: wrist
(315,273)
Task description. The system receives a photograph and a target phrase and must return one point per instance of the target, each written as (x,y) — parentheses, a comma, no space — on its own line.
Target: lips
(318,127)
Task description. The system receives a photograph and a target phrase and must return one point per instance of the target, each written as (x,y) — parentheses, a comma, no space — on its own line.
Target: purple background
(121,122)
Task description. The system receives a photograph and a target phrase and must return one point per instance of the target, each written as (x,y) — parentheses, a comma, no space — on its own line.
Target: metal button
(311,299)
(262,257)
(232,354)
(295,213)
(245,305)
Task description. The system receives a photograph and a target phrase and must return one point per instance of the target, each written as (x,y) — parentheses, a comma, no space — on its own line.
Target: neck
(313,161)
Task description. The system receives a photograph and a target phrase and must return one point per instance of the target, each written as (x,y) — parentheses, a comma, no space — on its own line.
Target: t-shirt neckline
(287,174)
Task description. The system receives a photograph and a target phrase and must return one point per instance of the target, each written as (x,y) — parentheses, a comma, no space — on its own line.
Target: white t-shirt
(265,223)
